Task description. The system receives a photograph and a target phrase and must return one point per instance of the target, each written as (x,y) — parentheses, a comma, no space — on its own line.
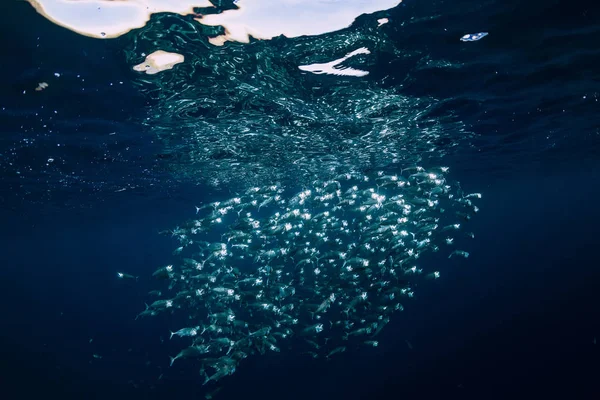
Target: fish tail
(171,337)
(172,361)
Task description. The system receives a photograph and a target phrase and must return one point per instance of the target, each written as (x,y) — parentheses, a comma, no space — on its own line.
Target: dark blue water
(517,319)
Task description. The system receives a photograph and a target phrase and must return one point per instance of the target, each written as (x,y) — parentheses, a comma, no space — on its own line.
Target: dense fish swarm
(322,270)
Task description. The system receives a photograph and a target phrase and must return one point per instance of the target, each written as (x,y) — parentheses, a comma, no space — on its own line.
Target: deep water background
(517,319)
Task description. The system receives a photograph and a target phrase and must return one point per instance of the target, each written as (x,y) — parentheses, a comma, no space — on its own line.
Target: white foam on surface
(382,21)
(159,61)
(331,68)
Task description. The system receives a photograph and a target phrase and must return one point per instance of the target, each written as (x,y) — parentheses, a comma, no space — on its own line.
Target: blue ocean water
(95,165)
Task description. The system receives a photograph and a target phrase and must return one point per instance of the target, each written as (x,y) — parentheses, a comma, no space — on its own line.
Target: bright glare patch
(266,19)
(105,19)
(261,19)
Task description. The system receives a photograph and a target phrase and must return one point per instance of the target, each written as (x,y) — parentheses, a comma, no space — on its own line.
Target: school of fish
(322,270)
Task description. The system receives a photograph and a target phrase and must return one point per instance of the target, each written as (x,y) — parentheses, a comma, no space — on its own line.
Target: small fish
(122,275)
(459,253)
(185,332)
(261,332)
(311,330)
(189,352)
(224,371)
(164,272)
(337,350)
(212,394)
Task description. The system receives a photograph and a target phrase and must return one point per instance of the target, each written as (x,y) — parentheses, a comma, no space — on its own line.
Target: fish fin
(172,360)
(171,337)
